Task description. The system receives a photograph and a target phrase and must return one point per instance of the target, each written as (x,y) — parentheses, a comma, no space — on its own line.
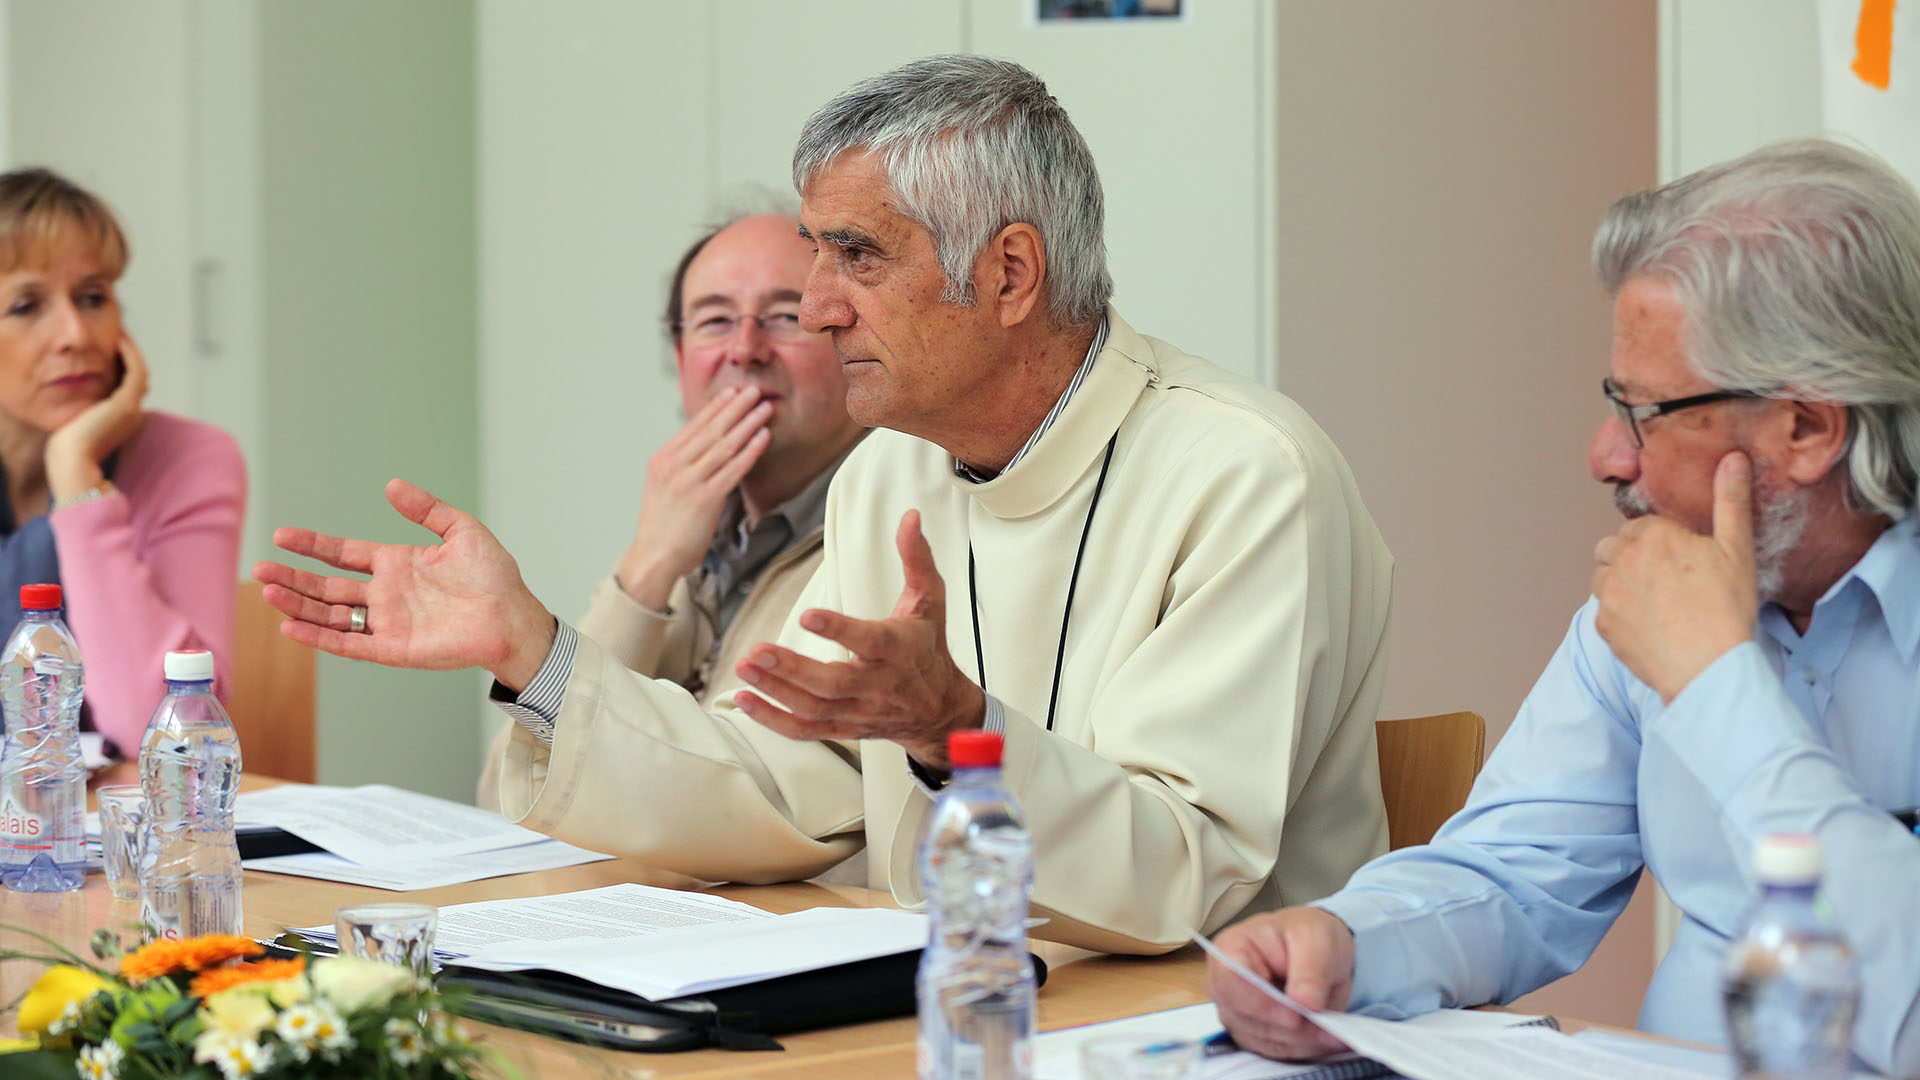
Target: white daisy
(100,1062)
(65,1022)
(330,1032)
(236,1058)
(405,1043)
(296,1028)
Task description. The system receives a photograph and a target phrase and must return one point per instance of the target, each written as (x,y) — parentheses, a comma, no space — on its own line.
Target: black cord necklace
(1059,656)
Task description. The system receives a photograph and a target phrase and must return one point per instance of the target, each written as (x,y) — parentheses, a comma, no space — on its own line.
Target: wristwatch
(97,491)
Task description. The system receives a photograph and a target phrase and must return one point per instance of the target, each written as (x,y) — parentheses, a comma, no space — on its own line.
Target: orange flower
(194,954)
(214,980)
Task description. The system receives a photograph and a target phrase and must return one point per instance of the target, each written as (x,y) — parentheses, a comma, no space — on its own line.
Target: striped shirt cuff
(536,707)
(930,781)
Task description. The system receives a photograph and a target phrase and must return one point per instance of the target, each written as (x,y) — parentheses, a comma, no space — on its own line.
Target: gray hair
(1798,267)
(972,145)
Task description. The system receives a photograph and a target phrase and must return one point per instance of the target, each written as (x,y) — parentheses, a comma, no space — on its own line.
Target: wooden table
(1081,986)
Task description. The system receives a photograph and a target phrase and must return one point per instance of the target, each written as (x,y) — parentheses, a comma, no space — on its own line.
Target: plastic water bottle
(976,986)
(190,773)
(43,778)
(1790,982)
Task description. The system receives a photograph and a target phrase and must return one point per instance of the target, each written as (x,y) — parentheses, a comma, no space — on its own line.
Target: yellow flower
(58,986)
(237,1015)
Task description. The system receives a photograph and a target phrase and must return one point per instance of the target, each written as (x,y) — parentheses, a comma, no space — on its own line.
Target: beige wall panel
(1440,171)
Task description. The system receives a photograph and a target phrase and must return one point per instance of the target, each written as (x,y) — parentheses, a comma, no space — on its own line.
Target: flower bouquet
(211,1007)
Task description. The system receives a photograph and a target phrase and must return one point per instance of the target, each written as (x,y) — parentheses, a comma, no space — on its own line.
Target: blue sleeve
(1519,887)
(1779,776)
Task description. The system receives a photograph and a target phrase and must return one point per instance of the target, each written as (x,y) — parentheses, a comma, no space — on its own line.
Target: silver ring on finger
(357,620)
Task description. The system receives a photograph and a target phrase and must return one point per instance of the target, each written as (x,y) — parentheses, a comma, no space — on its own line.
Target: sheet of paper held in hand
(390,838)
(1512,1053)
(661,943)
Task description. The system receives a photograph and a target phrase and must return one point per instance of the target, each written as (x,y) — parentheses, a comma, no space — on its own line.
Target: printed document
(391,838)
(1519,1053)
(608,914)
(660,943)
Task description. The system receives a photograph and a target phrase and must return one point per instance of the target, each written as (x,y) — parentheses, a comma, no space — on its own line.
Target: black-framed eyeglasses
(1631,415)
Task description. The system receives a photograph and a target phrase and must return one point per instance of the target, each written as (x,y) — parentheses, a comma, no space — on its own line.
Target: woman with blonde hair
(136,514)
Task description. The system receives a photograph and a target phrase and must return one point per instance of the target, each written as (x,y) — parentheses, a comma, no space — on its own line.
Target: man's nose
(821,306)
(1612,457)
(750,343)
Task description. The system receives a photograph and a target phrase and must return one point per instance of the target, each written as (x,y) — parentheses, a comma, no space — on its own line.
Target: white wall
(122,132)
(1734,76)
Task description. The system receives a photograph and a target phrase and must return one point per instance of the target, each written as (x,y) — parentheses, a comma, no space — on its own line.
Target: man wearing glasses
(1749,662)
(732,516)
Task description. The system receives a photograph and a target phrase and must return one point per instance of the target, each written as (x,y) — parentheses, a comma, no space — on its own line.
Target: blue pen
(1218,1043)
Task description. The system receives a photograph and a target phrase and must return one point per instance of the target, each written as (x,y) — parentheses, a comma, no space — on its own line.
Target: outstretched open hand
(458,603)
(900,682)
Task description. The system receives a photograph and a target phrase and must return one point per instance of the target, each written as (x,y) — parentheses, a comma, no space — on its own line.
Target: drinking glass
(122,807)
(390,933)
(1138,1057)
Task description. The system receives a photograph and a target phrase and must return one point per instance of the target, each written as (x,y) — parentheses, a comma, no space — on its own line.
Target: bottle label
(163,927)
(22,832)
(969,1060)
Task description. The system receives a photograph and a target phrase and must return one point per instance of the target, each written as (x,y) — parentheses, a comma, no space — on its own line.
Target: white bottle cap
(193,665)
(1788,859)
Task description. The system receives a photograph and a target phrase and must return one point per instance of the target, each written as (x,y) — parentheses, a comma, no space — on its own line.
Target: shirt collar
(804,513)
(973,476)
(1891,570)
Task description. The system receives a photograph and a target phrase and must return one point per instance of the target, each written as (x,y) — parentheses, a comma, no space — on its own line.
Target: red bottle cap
(40,598)
(974,749)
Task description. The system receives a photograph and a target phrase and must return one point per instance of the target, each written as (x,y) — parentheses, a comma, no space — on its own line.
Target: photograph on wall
(1059,11)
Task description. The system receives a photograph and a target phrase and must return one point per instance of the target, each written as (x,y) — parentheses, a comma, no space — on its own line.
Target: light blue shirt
(1597,778)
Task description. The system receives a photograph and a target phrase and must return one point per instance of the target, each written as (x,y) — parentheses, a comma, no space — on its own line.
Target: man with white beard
(1747,664)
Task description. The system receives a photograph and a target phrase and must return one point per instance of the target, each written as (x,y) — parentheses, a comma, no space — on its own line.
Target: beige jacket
(1213,749)
(678,645)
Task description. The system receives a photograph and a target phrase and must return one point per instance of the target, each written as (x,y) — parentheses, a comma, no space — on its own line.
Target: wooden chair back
(271,697)
(1427,767)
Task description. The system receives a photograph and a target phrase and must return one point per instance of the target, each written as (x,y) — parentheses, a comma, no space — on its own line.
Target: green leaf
(39,1065)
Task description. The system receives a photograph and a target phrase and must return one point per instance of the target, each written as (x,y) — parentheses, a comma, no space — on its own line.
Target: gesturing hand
(76,449)
(459,603)
(1305,951)
(1672,601)
(900,684)
(688,480)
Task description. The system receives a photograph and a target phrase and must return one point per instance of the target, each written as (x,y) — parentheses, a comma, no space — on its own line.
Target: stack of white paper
(661,943)
(1057,1053)
(390,838)
(1455,1052)
(609,913)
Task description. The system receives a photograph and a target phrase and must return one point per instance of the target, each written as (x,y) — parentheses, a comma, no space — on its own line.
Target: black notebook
(741,1017)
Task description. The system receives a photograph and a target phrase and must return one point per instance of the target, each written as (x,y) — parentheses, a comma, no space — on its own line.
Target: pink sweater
(153,568)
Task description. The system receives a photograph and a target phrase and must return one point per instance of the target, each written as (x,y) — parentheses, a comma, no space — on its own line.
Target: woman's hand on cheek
(76,449)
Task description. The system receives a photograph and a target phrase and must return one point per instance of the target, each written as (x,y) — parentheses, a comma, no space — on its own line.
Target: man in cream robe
(1213,747)
(1209,749)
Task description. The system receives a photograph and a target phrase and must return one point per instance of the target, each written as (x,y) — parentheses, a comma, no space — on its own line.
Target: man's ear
(1815,438)
(1010,272)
